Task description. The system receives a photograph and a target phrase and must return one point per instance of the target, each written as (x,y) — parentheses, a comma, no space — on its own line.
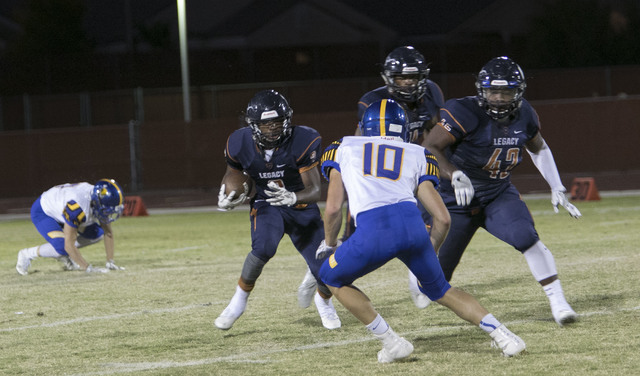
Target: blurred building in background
(92,88)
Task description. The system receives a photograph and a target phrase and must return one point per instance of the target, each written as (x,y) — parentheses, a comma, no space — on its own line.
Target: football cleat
(306,289)
(226,319)
(22,266)
(394,347)
(565,315)
(327,311)
(505,340)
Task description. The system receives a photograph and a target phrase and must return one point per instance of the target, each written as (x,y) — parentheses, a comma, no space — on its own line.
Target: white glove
(91,269)
(558,198)
(112,266)
(324,250)
(462,187)
(280,196)
(226,203)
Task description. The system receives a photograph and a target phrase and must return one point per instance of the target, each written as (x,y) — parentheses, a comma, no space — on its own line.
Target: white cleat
(226,319)
(505,340)
(22,266)
(327,311)
(419,299)
(394,347)
(565,315)
(306,289)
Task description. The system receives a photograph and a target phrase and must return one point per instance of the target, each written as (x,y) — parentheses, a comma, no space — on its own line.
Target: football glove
(279,195)
(112,266)
(558,198)
(324,250)
(462,187)
(91,269)
(227,202)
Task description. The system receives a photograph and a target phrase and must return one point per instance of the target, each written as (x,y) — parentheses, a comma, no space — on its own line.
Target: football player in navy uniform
(72,216)
(478,142)
(282,160)
(383,174)
(405,73)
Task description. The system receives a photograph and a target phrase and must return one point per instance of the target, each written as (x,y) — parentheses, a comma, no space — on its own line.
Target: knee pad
(541,261)
(252,268)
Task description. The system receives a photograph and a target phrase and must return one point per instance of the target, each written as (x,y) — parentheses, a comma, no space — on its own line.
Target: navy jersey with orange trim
(484,149)
(301,152)
(427,107)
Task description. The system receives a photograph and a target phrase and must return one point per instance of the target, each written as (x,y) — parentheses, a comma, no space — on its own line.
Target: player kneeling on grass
(380,174)
(71,216)
(282,161)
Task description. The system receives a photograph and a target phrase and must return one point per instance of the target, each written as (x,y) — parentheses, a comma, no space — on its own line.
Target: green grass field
(156,317)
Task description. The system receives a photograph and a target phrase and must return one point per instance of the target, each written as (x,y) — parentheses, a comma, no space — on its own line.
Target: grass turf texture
(156,317)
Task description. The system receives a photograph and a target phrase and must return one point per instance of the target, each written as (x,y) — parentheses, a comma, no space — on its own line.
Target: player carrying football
(282,160)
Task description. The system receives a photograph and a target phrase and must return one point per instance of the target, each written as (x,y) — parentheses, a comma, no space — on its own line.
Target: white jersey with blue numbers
(377,172)
(69,203)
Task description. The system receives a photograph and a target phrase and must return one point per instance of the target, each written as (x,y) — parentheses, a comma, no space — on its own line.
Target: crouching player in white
(381,173)
(71,216)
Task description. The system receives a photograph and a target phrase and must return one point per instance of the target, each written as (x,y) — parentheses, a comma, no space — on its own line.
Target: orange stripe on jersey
(227,153)
(307,168)
(454,119)
(307,149)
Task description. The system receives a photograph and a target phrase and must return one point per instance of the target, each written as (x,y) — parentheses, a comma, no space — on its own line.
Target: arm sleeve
(544,162)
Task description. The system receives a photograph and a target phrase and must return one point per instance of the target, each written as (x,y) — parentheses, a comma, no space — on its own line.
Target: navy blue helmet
(107,200)
(271,111)
(385,118)
(500,85)
(405,62)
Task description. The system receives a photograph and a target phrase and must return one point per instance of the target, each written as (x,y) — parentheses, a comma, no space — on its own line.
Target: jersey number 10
(388,161)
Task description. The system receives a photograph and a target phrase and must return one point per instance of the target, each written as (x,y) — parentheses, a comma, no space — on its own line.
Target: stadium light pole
(184,59)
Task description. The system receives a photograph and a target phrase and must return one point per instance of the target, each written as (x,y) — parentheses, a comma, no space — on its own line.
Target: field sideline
(156,317)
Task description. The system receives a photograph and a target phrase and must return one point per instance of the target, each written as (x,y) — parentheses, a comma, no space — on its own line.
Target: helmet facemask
(406,87)
(269,117)
(271,133)
(500,86)
(405,74)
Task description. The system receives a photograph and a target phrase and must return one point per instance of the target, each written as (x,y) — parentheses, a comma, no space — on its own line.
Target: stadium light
(184,60)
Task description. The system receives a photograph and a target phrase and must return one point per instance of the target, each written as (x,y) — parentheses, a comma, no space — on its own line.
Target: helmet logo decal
(499,83)
(269,115)
(395,128)
(410,70)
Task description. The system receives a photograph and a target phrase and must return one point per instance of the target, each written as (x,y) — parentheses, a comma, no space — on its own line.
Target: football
(233,181)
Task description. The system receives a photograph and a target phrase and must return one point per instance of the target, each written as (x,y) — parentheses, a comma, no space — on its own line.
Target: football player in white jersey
(382,176)
(71,216)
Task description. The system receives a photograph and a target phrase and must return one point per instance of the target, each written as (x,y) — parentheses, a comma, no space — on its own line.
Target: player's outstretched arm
(543,160)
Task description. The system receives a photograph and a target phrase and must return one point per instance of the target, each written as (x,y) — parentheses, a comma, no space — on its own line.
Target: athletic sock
(489,323)
(555,294)
(31,253)
(238,303)
(378,326)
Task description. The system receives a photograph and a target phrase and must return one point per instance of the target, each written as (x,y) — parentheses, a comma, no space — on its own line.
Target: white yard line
(249,357)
